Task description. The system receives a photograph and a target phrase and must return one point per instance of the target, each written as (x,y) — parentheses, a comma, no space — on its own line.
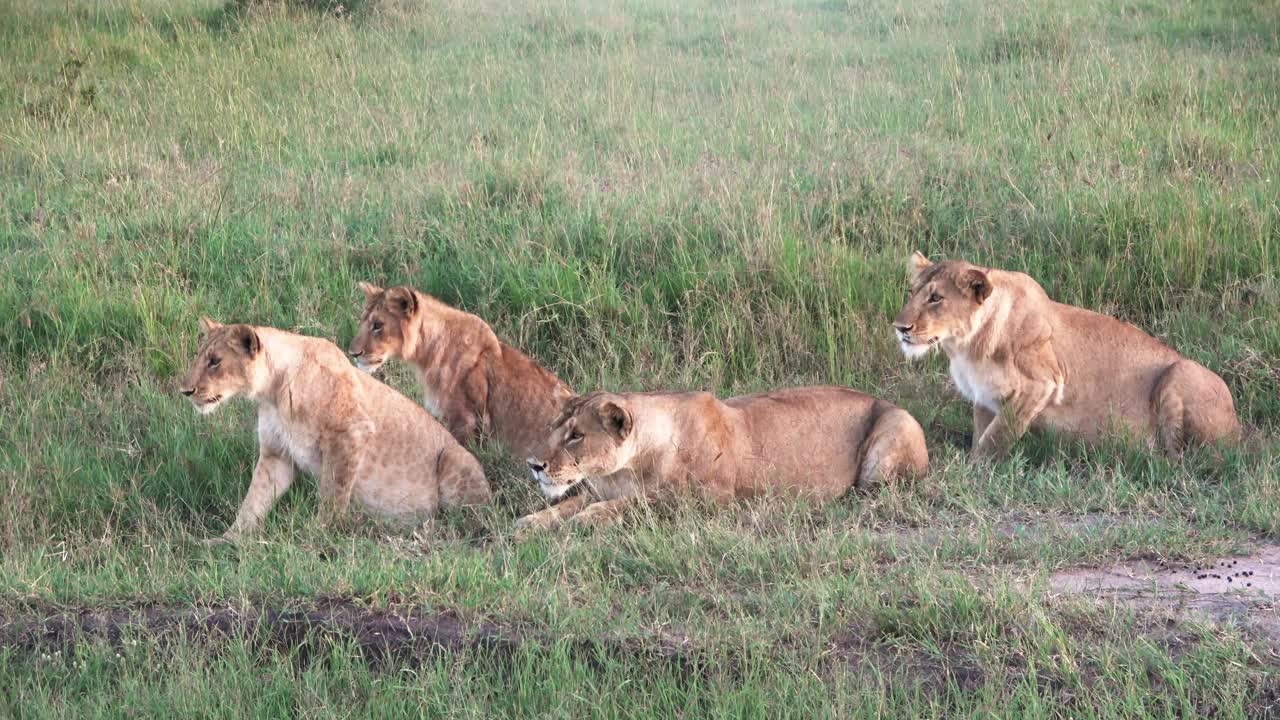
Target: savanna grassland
(642,195)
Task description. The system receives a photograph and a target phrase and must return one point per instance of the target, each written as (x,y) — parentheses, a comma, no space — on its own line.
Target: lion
(472,381)
(316,412)
(812,441)
(1026,361)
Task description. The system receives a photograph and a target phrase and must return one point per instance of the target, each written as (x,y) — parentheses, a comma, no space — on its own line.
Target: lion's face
(224,366)
(383,324)
(943,300)
(589,439)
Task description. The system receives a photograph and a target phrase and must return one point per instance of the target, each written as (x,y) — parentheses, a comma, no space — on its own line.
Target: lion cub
(813,441)
(1024,361)
(316,412)
(471,381)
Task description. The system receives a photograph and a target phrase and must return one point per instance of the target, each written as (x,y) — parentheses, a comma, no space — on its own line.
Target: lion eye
(934,298)
(575,437)
(377,326)
(214,362)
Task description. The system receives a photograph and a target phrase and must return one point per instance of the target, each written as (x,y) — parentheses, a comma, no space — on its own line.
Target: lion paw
(534,523)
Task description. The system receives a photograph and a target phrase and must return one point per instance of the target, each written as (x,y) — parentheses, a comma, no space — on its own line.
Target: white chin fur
(370,368)
(208,408)
(916,351)
(552,490)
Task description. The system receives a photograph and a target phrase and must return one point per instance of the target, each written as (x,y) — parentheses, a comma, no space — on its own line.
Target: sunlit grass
(642,195)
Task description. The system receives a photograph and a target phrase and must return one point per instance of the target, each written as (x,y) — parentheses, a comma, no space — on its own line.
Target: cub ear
(370,290)
(246,340)
(402,301)
(207,326)
(917,264)
(976,283)
(616,420)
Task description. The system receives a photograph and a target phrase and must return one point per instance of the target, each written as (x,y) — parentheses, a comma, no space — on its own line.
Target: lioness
(1024,360)
(814,441)
(471,381)
(318,413)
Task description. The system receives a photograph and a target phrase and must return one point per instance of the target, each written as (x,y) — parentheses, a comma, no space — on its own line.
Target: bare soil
(1243,589)
(407,634)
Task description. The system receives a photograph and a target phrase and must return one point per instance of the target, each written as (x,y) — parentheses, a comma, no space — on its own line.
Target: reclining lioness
(1024,360)
(815,441)
(318,413)
(471,381)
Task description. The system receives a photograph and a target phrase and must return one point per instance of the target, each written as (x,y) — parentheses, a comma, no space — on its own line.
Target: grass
(643,195)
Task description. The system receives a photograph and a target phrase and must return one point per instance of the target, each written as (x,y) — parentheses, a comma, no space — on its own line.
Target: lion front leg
(982,418)
(465,416)
(602,513)
(272,477)
(552,517)
(1017,412)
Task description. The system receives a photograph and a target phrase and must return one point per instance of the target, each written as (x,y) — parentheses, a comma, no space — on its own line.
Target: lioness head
(943,300)
(589,439)
(383,325)
(225,365)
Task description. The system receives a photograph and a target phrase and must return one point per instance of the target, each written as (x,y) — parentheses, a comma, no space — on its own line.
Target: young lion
(814,441)
(471,381)
(1024,360)
(318,413)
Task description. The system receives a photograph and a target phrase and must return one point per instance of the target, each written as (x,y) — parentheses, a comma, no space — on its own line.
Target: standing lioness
(815,441)
(318,413)
(472,381)
(1024,360)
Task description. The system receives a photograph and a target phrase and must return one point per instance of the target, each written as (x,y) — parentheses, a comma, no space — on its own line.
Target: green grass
(649,194)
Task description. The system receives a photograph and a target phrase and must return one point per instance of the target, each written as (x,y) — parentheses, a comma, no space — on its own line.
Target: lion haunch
(1025,361)
(316,412)
(814,441)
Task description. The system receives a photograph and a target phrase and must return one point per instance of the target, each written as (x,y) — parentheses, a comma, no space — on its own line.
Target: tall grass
(642,195)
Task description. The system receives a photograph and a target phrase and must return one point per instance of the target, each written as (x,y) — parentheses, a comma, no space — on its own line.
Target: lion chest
(981,383)
(298,442)
(431,383)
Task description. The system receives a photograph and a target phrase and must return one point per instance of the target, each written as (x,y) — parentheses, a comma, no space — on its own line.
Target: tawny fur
(317,413)
(1026,361)
(473,382)
(815,442)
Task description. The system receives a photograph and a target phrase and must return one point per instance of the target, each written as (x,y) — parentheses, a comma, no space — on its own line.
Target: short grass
(648,194)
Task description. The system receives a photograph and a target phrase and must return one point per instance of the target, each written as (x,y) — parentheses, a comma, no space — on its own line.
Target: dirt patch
(1244,589)
(406,634)
(378,633)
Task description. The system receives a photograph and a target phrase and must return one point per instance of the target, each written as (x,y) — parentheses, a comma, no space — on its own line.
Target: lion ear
(207,326)
(402,301)
(976,283)
(917,264)
(246,340)
(616,420)
(370,290)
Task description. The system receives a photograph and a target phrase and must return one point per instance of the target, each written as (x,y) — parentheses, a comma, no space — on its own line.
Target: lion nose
(903,328)
(188,392)
(535,466)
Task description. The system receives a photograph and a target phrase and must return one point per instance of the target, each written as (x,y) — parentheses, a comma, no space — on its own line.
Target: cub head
(384,325)
(225,365)
(591,438)
(941,305)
